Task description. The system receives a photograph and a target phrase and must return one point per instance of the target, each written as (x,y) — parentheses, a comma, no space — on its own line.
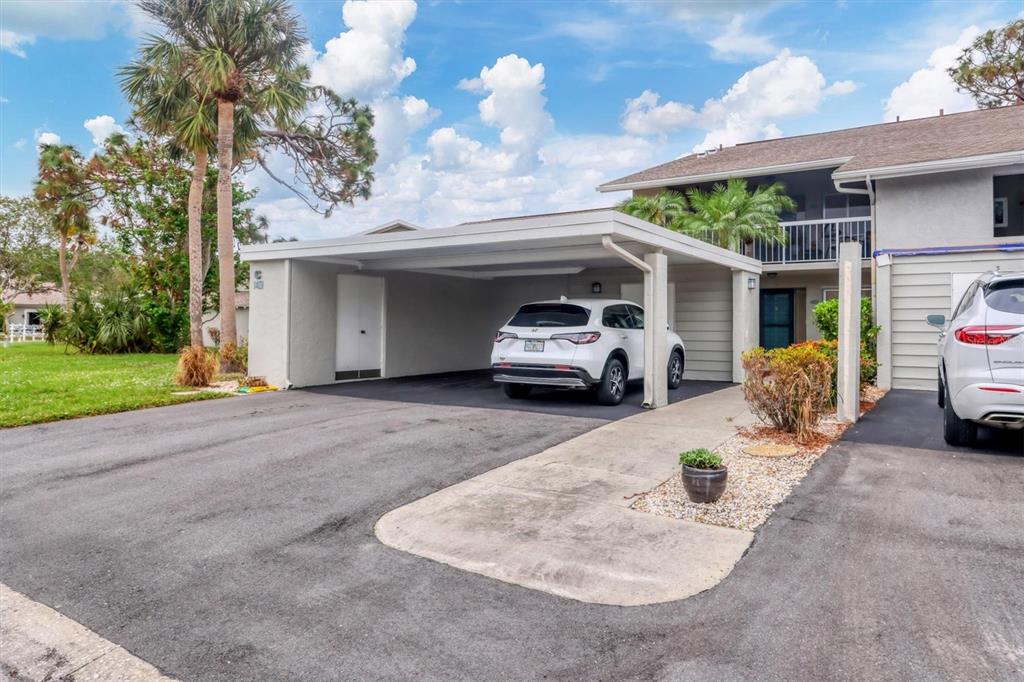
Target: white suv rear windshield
(1006,296)
(550,315)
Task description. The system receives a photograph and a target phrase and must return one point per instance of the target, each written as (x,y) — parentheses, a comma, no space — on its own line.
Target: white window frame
(1006,208)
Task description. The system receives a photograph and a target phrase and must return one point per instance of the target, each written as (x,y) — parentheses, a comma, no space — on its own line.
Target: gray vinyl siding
(703,312)
(921,286)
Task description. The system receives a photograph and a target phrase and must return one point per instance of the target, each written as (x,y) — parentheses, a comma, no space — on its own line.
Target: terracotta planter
(704,485)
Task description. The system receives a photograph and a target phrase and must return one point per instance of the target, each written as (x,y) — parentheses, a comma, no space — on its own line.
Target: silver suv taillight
(504,336)
(987,335)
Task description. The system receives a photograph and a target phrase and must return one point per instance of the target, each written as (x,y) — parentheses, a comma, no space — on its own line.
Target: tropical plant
(166,104)
(790,388)
(51,317)
(244,55)
(991,69)
(730,215)
(114,322)
(666,208)
(826,319)
(63,189)
(700,458)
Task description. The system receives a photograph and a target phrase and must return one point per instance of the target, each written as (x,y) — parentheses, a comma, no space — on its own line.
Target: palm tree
(666,208)
(165,104)
(63,189)
(730,215)
(244,55)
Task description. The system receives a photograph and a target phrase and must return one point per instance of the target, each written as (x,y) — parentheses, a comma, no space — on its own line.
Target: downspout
(287,323)
(613,248)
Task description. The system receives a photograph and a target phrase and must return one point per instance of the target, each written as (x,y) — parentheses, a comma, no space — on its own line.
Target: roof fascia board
(724,175)
(937,166)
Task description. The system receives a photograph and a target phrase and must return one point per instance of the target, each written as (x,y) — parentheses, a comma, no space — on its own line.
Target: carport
(404,301)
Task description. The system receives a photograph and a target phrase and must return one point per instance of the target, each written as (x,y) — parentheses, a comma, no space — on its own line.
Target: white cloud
(367,60)
(842,88)
(102,127)
(736,41)
(783,87)
(26,20)
(514,104)
(930,89)
(20,143)
(46,137)
(395,120)
(644,116)
(451,151)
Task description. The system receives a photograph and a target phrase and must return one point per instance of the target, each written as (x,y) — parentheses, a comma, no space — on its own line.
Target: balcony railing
(814,241)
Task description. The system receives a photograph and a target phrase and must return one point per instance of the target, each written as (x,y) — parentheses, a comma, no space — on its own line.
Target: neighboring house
(936,200)
(241,319)
(26,306)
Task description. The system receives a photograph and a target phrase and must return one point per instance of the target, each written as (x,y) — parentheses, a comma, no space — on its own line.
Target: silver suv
(981,358)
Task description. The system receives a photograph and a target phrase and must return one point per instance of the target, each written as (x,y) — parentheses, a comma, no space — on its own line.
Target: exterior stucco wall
(267,324)
(314,314)
(939,209)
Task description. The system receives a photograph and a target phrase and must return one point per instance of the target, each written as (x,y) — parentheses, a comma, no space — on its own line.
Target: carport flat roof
(525,245)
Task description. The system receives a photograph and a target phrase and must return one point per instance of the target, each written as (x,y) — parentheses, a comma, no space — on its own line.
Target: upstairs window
(847,206)
(1008,205)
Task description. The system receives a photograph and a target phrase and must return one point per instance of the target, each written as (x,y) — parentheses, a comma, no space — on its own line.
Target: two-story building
(934,202)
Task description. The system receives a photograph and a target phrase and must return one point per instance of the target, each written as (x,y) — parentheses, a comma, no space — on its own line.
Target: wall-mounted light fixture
(751,282)
(595,288)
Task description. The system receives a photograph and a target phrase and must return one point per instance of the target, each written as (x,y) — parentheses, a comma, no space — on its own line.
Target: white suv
(981,358)
(579,344)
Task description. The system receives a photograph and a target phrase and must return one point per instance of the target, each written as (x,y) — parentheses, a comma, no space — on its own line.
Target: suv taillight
(504,336)
(579,338)
(987,335)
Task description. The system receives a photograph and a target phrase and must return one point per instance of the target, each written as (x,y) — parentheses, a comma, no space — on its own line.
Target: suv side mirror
(937,320)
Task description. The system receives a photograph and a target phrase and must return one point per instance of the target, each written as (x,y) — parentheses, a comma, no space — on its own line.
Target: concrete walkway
(560,521)
(41,644)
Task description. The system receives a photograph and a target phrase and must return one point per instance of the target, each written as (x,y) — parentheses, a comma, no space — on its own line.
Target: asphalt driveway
(233,540)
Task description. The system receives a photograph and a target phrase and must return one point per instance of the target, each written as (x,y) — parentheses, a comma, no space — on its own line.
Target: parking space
(478,389)
(913,419)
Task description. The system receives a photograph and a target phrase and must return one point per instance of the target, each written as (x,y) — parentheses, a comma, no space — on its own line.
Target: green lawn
(41,383)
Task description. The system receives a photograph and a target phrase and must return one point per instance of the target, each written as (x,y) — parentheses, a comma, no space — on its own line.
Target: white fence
(24,332)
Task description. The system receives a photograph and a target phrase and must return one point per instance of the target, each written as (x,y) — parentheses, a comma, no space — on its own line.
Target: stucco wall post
(745,319)
(656,331)
(848,398)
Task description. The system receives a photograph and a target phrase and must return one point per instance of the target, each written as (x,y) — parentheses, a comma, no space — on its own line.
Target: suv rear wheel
(957,431)
(675,369)
(517,390)
(613,383)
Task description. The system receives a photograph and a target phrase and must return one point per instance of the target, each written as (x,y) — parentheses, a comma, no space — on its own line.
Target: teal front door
(776,318)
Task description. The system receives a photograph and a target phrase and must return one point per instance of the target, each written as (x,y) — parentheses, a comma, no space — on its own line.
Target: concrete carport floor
(478,389)
(429,301)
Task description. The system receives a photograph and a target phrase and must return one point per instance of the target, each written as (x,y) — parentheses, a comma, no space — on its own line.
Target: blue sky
(498,108)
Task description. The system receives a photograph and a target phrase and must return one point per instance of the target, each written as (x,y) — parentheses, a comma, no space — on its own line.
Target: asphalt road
(232,540)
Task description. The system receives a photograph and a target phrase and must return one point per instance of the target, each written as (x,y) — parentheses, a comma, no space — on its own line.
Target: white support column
(883,318)
(746,313)
(656,331)
(848,393)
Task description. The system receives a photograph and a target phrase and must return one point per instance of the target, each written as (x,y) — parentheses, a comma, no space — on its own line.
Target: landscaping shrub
(51,317)
(111,323)
(790,388)
(826,319)
(214,333)
(196,367)
(700,458)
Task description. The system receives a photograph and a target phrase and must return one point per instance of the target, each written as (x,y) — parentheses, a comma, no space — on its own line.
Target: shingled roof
(884,145)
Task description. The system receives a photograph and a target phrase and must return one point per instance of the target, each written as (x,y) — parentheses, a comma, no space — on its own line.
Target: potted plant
(703,475)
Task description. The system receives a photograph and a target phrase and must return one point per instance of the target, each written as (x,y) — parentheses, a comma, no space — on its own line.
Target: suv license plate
(534,345)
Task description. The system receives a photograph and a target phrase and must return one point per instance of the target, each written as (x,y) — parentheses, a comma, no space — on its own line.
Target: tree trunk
(196,271)
(65,272)
(225,228)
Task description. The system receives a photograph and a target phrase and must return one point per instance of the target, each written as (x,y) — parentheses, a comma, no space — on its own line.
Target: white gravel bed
(755,485)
